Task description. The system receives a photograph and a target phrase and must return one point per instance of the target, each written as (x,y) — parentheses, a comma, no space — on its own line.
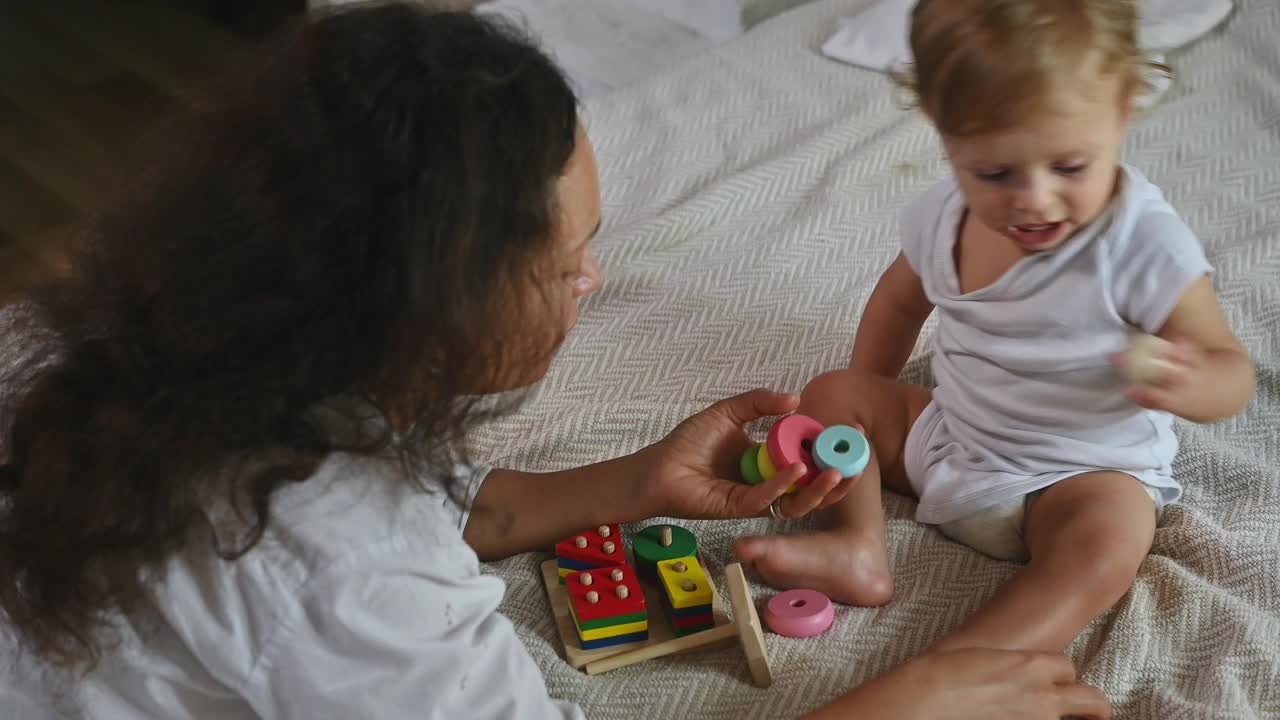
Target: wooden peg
(604,531)
(580,541)
(622,591)
(679,567)
(616,575)
(608,548)
(666,537)
(593,597)
(586,578)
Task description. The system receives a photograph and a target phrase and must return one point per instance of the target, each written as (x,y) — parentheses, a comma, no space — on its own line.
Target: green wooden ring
(649,551)
(749,467)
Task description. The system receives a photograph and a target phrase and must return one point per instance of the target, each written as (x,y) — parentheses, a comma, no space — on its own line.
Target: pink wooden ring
(790,441)
(799,613)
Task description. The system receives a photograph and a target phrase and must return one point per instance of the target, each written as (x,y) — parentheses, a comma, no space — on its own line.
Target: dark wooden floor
(79,80)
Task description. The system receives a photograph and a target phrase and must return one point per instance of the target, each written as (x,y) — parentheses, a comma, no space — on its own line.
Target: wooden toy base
(659,626)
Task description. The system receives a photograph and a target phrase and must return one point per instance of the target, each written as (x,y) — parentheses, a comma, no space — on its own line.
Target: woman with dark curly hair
(231,482)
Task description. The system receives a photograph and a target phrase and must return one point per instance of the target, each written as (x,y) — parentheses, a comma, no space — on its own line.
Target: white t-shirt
(1025,394)
(362,600)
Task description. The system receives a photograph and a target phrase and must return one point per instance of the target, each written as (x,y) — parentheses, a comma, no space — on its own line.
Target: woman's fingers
(755,404)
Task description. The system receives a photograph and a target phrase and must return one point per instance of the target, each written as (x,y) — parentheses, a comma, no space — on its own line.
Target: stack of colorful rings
(801,439)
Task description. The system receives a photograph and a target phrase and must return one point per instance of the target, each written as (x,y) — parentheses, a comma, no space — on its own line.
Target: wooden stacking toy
(607,607)
(604,618)
(799,613)
(801,439)
(745,627)
(686,595)
(656,543)
(595,548)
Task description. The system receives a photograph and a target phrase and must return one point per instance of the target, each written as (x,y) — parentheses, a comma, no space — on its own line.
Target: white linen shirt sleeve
(384,636)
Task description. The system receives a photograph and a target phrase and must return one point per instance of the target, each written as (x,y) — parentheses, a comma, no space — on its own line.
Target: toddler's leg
(1087,536)
(847,561)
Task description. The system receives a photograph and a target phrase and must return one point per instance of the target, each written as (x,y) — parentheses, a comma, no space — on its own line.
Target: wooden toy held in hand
(843,449)
(801,439)
(1145,362)
(790,441)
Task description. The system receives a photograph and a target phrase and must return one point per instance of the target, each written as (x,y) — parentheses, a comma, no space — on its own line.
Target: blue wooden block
(569,564)
(686,612)
(616,640)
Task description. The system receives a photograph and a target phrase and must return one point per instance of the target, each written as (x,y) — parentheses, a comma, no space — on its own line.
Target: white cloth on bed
(1025,395)
(877,38)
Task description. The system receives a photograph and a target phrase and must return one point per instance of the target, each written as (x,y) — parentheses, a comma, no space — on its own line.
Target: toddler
(1044,256)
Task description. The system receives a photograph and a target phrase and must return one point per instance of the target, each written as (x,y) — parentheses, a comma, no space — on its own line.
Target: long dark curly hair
(352,217)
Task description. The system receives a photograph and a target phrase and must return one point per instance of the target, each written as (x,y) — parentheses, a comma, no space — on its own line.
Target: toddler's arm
(1214,378)
(891,322)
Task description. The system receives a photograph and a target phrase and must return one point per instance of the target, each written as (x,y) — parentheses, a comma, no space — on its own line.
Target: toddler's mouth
(1035,234)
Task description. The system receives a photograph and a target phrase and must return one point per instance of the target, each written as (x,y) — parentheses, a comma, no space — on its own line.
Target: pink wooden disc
(790,441)
(799,613)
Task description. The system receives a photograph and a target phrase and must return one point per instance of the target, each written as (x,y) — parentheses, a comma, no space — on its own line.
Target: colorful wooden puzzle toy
(686,595)
(661,542)
(801,439)
(842,448)
(745,627)
(799,613)
(607,606)
(595,548)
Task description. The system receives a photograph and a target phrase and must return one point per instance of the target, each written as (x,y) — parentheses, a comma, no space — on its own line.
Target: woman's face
(573,272)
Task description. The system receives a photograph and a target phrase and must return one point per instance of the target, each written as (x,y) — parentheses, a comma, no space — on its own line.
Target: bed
(749,198)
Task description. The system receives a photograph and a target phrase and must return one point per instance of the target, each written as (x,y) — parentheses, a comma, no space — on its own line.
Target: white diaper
(997,531)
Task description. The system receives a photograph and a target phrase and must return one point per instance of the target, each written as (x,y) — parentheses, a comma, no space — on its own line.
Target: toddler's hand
(1164,374)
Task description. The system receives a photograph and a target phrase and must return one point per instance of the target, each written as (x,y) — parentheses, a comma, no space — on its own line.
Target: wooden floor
(79,80)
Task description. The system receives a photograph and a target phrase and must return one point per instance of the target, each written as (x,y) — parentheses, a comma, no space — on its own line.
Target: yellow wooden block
(685,582)
(615,631)
(765,463)
(607,632)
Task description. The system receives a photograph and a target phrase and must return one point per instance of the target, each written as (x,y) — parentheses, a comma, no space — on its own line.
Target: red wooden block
(594,552)
(693,620)
(607,604)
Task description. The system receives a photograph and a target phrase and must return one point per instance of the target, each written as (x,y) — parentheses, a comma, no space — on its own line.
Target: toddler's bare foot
(849,568)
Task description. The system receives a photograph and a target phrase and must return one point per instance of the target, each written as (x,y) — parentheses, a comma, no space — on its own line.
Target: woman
(231,481)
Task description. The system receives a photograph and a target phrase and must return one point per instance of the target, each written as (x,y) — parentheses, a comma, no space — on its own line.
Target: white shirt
(1025,394)
(362,600)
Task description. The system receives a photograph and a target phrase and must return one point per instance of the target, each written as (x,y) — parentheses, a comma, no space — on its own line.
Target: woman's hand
(693,471)
(973,684)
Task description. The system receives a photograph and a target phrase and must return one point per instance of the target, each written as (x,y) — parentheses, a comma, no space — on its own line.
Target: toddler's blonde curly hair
(982,65)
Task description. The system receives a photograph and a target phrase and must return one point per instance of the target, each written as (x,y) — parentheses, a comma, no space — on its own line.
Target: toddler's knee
(838,395)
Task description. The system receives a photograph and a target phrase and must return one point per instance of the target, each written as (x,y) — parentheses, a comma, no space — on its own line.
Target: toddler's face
(1051,174)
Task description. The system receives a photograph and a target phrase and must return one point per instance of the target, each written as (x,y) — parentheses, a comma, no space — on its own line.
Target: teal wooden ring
(749,467)
(843,449)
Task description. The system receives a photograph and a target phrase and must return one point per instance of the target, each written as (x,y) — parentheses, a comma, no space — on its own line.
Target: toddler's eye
(991,175)
(1071,169)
